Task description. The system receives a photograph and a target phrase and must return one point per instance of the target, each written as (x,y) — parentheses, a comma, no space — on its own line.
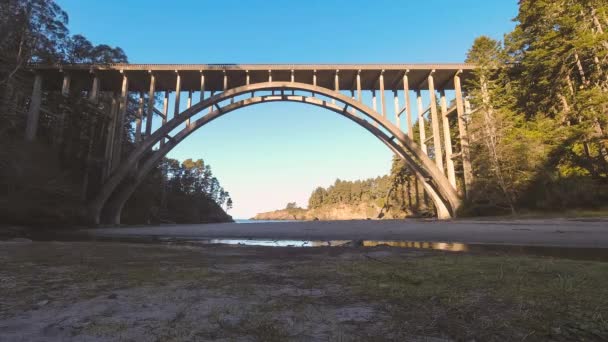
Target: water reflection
(597,254)
(279,243)
(443,246)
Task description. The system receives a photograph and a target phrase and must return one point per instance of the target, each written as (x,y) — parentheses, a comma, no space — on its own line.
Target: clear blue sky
(271,154)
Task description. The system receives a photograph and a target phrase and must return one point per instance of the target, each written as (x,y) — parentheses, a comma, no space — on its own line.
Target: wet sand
(533,232)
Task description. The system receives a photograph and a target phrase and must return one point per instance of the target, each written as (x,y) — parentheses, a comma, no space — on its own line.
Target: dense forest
(538,131)
(49,180)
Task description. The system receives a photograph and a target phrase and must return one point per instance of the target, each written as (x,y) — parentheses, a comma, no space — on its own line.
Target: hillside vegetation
(50,180)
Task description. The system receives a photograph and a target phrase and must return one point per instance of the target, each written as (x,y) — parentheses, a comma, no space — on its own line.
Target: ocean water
(261,221)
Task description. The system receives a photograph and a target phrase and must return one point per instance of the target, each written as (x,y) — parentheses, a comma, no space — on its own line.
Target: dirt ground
(110,291)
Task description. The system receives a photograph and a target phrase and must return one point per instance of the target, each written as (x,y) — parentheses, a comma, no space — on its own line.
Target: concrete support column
(447,140)
(408,105)
(422,132)
(151,101)
(352,95)
(293,76)
(188,105)
(94,93)
(374,102)
(140,114)
(435,123)
(382,97)
(464,139)
(165,113)
(33,114)
(120,119)
(359,95)
(269,75)
(110,135)
(65,92)
(225,85)
(314,80)
(374,105)
(178,91)
(202,94)
(248,81)
(336,84)
(396,102)
(211,95)
(65,86)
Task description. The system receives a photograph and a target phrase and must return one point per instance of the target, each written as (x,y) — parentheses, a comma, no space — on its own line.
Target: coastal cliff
(361,211)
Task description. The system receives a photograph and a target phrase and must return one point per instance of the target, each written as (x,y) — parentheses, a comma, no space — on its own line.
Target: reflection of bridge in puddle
(444,246)
(597,254)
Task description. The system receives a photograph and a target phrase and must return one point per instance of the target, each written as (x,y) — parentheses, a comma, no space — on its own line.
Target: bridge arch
(107,205)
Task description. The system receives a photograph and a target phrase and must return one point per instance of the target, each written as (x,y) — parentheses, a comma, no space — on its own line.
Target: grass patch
(479,297)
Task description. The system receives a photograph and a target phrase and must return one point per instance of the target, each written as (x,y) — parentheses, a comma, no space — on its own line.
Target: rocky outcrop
(360,211)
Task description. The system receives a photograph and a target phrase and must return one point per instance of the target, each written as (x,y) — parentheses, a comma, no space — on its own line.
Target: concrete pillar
(352,95)
(421,122)
(408,105)
(293,76)
(269,75)
(447,140)
(94,94)
(396,102)
(247,79)
(178,91)
(65,86)
(435,123)
(188,105)
(382,97)
(314,81)
(359,95)
(202,94)
(211,107)
(374,103)
(65,92)
(33,114)
(336,84)
(464,139)
(140,114)
(151,102)
(165,113)
(120,119)
(110,135)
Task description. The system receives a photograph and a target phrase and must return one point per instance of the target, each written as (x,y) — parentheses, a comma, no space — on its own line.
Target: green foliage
(397,193)
(184,192)
(539,132)
(291,205)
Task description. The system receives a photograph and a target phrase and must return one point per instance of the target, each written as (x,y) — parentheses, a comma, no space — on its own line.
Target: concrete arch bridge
(221,89)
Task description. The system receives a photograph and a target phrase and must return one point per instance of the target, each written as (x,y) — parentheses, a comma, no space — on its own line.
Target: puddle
(577,253)
(595,254)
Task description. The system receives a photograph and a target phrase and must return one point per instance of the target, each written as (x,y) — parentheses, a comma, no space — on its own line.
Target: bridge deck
(139,78)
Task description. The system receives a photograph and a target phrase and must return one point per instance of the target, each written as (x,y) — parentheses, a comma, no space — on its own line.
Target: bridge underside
(343,89)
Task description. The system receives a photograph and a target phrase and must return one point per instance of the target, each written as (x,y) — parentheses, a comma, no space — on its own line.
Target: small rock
(112,296)
(43,302)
